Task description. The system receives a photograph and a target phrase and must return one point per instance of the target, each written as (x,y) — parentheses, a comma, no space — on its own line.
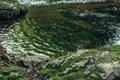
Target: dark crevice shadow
(6,26)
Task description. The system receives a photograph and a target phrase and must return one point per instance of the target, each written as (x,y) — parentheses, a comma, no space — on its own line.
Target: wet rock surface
(11,10)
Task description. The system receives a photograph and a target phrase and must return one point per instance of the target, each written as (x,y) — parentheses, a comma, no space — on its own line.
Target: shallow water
(34,35)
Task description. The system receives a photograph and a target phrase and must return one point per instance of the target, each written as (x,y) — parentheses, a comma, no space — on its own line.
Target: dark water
(40,32)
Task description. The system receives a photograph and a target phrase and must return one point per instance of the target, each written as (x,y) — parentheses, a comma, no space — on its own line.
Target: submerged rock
(11,10)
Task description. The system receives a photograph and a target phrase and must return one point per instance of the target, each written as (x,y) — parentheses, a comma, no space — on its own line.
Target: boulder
(11,10)
(27,60)
(109,71)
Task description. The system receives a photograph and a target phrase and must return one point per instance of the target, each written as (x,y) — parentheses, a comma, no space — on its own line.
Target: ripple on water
(62,37)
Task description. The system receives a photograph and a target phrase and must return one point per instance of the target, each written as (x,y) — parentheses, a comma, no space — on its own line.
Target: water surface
(63,28)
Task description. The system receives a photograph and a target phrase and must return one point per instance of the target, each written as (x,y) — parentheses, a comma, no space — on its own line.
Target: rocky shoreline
(84,64)
(92,64)
(102,64)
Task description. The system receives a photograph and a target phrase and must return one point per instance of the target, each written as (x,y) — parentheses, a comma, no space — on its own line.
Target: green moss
(116,49)
(89,53)
(78,74)
(47,71)
(71,76)
(11,72)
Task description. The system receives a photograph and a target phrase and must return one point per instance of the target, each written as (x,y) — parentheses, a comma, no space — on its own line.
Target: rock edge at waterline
(11,10)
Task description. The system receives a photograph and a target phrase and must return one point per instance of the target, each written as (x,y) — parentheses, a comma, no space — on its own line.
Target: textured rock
(78,53)
(67,71)
(11,10)
(32,59)
(62,61)
(13,74)
(89,69)
(80,64)
(109,71)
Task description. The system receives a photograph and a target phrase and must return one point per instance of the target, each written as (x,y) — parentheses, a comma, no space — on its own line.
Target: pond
(63,28)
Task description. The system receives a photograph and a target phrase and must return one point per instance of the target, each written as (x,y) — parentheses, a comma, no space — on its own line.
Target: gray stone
(67,71)
(62,61)
(14,74)
(89,69)
(109,71)
(11,10)
(79,64)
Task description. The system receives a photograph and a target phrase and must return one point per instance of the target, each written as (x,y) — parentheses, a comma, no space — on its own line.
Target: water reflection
(28,38)
(5,27)
(65,36)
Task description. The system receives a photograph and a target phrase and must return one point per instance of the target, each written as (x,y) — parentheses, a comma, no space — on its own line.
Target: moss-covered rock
(11,10)
(92,64)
